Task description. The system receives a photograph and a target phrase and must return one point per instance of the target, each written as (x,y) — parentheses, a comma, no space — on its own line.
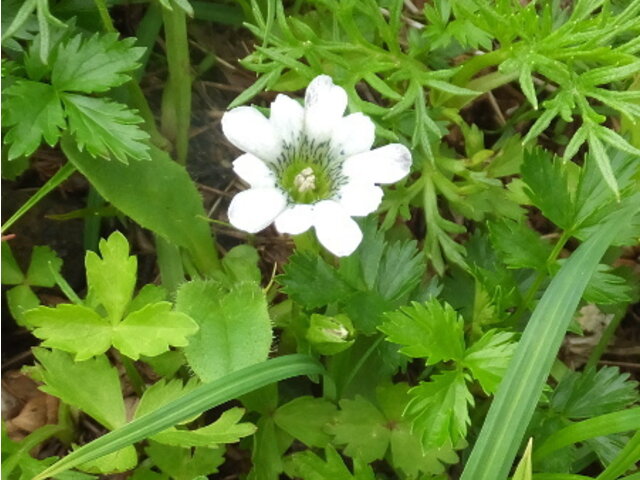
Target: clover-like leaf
(488,358)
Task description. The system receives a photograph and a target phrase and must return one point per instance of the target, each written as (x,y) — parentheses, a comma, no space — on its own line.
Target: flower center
(307,172)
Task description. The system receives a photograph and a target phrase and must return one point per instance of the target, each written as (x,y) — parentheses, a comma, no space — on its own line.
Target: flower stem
(176,100)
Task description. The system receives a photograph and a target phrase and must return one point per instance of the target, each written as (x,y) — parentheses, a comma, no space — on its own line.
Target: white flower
(310,167)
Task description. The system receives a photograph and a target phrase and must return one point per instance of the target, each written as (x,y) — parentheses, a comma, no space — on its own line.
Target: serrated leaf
(547,185)
(310,281)
(33,112)
(269,444)
(400,270)
(607,288)
(308,466)
(438,409)
(93,386)
(235,329)
(599,154)
(526,84)
(120,461)
(226,429)
(305,418)
(591,393)
(579,137)
(598,76)
(362,428)
(43,261)
(152,330)
(519,246)
(431,330)
(185,463)
(112,278)
(95,64)
(161,393)
(241,264)
(105,128)
(72,328)
(488,358)
(148,294)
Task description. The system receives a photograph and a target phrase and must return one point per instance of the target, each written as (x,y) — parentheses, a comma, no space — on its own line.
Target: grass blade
(519,392)
(197,401)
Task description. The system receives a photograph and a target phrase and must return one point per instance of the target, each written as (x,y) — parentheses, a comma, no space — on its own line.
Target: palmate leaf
(518,245)
(488,358)
(96,64)
(305,418)
(431,330)
(309,466)
(33,113)
(439,409)
(185,463)
(105,128)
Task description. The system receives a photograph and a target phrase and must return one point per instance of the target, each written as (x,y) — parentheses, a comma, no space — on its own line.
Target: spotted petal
(287,117)
(353,134)
(360,199)
(251,132)
(387,164)
(335,229)
(324,105)
(295,219)
(256,208)
(254,171)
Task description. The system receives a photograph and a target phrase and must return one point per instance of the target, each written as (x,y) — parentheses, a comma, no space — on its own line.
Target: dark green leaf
(519,246)
(306,418)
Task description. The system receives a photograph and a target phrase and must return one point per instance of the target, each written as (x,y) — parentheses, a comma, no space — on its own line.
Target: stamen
(305,180)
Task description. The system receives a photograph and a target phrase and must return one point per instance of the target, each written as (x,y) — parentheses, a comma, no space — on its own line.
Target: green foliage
(150,330)
(309,466)
(185,464)
(36,110)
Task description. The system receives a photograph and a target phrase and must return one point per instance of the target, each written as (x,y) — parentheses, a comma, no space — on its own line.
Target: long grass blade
(519,392)
(197,401)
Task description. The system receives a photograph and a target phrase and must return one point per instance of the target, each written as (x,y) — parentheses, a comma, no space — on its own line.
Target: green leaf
(161,393)
(235,329)
(269,444)
(158,195)
(305,418)
(152,330)
(308,466)
(524,470)
(96,64)
(21,299)
(117,462)
(310,281)
(72,328)
(400,270)
(105,128)
(362,428)
(184,463)
(241,264)
(431,330)
(547,183)
(439,409)
(226,429)
(590,393)
(488,358)
(599,154)
(112,278)
(11,271)
(92,386)
(526,84)
(147,295)
(607,288)
(43,260)
(33,112)
(519,246)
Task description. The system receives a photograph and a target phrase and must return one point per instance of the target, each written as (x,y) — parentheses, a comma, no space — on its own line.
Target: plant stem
(176,101)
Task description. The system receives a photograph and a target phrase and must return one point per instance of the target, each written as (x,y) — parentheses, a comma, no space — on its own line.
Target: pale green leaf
(92,386)
(227,429)
(185,463)
(152,330)
(241,264)
(33,113)
(111,278)
(117,462)
(105,128)
(148,294)
(526,84)
(306,418)
(579,137)
(431,330)
(439,409)
(43,260)
(21,299)
(72,328)
(235,329)
(362,428)
(524,469)
(161,393)
(488,358)
(308,466)
(11,271)
(95,64)
(601,158)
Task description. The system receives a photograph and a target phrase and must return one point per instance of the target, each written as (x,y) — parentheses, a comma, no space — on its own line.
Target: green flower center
(308,172)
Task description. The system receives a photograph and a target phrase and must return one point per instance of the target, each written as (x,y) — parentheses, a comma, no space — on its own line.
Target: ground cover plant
(322,239)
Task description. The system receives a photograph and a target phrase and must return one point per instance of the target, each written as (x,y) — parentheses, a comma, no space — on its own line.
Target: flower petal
(353,134)
(324,104)
(360,199)
(335,229)
(287,117)
(387,164)
(254,171)
(295,219)
(254,209)
(250,131)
